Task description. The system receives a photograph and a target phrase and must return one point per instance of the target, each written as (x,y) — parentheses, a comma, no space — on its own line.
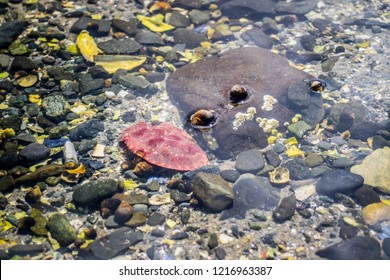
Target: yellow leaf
(210,33)
(171,223)
(78,108)
(291,141)
(35,98)
(7,226)
(129,185)
(293,151)
(87,46)
(111,63)
(78,170)
(116,116)
(155,23)
(54,243)
(97,16)
(19,215)
(4,75)
(3,106)
(363,45)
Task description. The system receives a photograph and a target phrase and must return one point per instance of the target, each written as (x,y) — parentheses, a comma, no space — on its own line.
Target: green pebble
(254,225)
(52,181)
(259,215)
(17,48)
(298,128)
(40,222)
(61,230)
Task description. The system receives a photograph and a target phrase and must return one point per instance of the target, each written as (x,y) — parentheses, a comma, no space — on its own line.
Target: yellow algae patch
(111,63)
(87,46)
(155,23)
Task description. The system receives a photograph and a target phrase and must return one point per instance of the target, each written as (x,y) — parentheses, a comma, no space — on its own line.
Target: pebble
(92,193)
(86,130)
(273,158)
(22,63)
(251,161)
(158,233)
(313,159)
(342,162)
(110,223)
(10,30)
(251,192)
(149,38)
(123,213)
(257,36)
(254,226)
(128,27)
(178,20)
(285,209)
(366,195)
(89,85)
(308,42)
(179,235)
(230,175)
(347,231)
(199,17)
(212,190)
(364,130)
(374,169)
(61,230)
(137,83)
(13,122)
(26,249)
(338,181)
(156,219)
(298,169)
(355,248)
(213,241)
(34,152)
(298,129)
(114,243)
(138,219)
(190,38)
(6,182)
(124,46)
(220,253)
(225,239)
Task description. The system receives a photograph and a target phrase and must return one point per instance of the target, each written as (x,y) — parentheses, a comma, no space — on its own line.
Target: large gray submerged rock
(205,84)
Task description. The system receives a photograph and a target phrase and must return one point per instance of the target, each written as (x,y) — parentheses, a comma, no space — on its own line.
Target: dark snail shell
(203,119)
(238,94)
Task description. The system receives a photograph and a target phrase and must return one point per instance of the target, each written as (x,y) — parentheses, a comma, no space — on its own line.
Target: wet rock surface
(214,96)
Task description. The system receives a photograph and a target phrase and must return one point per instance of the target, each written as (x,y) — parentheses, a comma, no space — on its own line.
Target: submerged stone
(266,77)
(250,192)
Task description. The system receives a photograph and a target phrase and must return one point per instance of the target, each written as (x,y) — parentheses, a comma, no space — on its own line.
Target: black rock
(8,160)
(329,63)
(269,26)
(251,192)
(22,63)
(86,130)
(95,27)
(220,253)
(258,37)
(111,245)
(34,152)
(298,169)
(345,115)
(355,248)
(206,169)
(386,246)
(213,241)
(10,30)
(128,116)
(308,42)
(124,46)
(199,17)
(347,231)
(158,233)
(156,219)
(111,223)
(6,182)
(366,195)
(12,121)
(379,142)
(190,38)
(4,255)
(89,85)
(128,27)
(92,193)
(26,249)
(249,8)
(364,130)
(251,161)
(149,38)
(179,235)
(179,196)
(230,175)
(303,58)
(338,181)
(273,158)
(285,209)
